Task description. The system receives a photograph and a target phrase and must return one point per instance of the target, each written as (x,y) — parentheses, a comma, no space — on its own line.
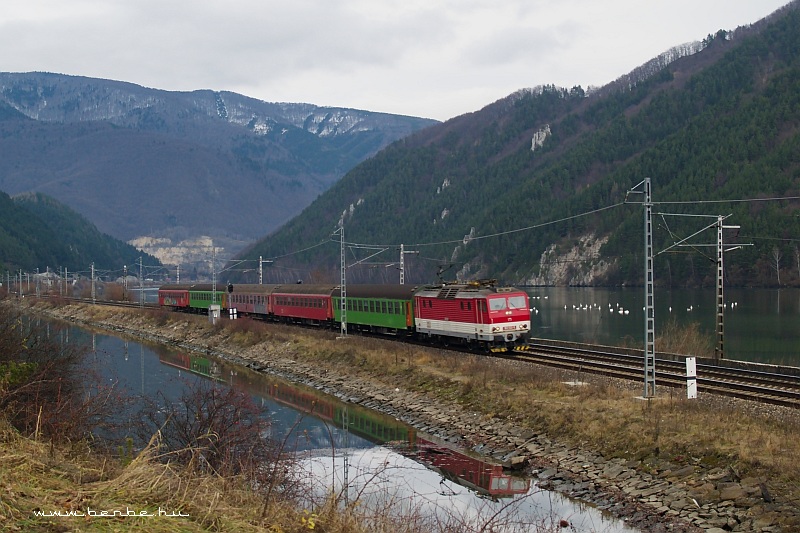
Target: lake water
(761,325)
(385,458)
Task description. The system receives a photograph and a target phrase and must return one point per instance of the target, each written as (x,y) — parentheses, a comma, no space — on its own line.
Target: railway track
(760,385)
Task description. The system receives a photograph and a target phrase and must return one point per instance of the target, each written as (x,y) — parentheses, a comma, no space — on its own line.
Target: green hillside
(718,125)
(38,232)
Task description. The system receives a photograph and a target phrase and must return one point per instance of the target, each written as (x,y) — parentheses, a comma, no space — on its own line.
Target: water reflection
(761,325)
(378,476)
(470,470)
(337,441)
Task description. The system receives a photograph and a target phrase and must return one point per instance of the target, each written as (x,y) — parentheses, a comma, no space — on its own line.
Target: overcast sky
(427,58)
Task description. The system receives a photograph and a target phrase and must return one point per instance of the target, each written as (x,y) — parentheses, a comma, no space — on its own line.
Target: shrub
(210,427)
(44,387)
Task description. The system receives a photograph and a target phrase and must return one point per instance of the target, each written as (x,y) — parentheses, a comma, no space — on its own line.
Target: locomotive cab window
(516,302)
(497,304)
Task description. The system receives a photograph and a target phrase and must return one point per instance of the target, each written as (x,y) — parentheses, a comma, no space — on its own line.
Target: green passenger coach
(377,308)
(201,295)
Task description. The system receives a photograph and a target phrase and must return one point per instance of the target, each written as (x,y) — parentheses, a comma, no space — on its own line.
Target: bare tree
(210,427)
(46,388)
(776,256)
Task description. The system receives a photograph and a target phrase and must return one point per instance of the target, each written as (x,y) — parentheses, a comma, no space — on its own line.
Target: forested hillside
(178,167)
(38,232)
(531,189)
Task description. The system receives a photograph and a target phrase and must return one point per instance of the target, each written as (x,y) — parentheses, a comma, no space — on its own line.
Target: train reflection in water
(471,471)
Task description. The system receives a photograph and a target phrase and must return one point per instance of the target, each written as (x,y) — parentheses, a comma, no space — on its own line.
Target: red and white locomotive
(496,318)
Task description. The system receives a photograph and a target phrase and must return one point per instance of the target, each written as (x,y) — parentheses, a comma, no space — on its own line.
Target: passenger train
(477,314)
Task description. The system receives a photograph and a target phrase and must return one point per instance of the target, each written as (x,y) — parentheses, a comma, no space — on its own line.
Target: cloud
(433,58)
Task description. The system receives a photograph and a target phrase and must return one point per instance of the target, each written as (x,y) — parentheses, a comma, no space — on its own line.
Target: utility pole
(141,284)
(719,350)
(402,262)
(261,262)
(649,305)
(343,280)
(94,294)
(649,319)
(213,274)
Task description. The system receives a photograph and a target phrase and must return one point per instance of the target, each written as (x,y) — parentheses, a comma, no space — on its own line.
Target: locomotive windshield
(517,302)
(497,304)
(513,302)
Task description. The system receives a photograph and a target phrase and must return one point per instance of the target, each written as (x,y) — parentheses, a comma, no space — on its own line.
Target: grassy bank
(712,433)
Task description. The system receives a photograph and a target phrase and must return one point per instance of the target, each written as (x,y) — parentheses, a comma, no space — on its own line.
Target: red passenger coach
(174,296)
(301,303)
(478,313)
(249,299)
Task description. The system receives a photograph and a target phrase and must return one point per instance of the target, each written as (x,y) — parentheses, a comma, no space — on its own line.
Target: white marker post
(691,377)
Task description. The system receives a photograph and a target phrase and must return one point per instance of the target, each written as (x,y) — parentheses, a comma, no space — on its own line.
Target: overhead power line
(540,225)
(742,200)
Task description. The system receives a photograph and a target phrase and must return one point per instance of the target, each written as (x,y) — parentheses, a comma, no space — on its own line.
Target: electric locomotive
(475,313)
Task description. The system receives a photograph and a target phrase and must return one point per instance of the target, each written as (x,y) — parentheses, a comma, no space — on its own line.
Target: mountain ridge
(142,162)
(700,126)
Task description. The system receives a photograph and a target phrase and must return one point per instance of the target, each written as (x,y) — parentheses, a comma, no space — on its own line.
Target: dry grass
(36,479)
(603,416)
